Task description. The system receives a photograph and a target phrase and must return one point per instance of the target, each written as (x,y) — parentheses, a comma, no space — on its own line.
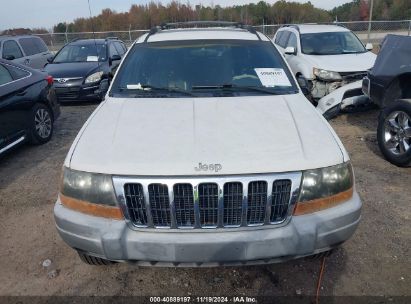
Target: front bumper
(303,235)
(348,95)
(78,92)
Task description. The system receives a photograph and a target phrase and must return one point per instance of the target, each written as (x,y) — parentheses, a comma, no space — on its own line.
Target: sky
(46,13)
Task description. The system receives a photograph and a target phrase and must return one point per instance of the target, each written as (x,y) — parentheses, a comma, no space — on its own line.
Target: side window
(278,37)
(112,50)
(11,48)
(284,39)
(119,48)
(41,46)
(5,76)
(292,41)
(28,46)
(17,73)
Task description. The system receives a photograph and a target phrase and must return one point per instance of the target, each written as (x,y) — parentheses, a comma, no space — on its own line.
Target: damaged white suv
(205,152)
(329,61)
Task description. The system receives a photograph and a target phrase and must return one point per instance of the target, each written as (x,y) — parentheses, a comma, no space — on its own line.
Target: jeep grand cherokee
(205,152)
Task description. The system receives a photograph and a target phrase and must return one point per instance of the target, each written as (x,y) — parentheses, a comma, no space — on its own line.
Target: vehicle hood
(171,136)
(343,63)
(72,69)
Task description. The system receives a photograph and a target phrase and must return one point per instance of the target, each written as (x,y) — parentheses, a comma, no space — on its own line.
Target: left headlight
(94,77)
(324,188)
(90,193)
(326,75)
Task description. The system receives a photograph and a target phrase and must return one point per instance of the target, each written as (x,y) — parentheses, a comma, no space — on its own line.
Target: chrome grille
(159,205)
(257,202)
(136,203)
(233,204)
(184,205)
(220,202)
(280,199)
(208,204)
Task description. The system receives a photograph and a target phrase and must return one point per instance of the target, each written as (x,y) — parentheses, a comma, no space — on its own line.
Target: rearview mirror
(290,50)
(9,57)
(369,46)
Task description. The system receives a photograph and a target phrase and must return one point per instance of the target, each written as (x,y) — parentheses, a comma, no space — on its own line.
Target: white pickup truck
(205,152)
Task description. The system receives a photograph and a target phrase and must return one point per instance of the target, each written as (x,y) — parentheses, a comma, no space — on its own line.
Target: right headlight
(324,188)
(327,75)
(90,193)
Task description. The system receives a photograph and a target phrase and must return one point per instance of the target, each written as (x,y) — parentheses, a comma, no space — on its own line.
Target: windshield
(203,68)
(333,43)
(81,53)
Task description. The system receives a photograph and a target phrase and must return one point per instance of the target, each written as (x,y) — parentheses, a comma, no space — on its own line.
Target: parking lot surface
(374,262)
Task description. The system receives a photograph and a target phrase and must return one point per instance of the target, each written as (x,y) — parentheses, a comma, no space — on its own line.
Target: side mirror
(115,57)
(50,59)
(290,50)
(369,46)
(9,57)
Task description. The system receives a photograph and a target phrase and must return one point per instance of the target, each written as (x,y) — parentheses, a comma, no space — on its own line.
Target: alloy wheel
(42,122)
(397,133)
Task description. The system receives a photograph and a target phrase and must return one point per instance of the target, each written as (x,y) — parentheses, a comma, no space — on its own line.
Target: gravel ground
(374,262)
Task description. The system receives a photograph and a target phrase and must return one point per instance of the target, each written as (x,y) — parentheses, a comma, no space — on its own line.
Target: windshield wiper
(150,88)
(233,87)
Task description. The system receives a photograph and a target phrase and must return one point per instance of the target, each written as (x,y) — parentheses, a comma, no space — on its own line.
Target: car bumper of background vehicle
(79,93)
(114,240)
(345,96)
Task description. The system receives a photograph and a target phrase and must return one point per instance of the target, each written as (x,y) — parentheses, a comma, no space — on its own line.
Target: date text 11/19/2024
(203,299)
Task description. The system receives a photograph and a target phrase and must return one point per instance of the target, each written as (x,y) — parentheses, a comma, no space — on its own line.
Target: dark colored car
(28,105)
(390,78)
(388,86)
(83,69)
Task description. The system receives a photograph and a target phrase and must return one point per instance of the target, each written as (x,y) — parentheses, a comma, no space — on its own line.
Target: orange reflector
(322,203)
(90,208)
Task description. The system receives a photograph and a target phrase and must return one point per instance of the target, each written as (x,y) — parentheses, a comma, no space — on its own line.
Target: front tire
(394,133)
(41,124)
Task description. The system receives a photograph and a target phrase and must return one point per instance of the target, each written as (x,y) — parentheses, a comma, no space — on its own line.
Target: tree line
(281,12)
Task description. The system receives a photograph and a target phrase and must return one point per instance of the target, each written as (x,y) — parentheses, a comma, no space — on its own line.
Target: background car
(28,105)
(27,50)
(390,78)
(83,69)
(388,86)
(329,62)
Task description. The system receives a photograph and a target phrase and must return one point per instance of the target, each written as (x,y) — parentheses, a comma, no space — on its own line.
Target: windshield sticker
(92,58)
(271,77)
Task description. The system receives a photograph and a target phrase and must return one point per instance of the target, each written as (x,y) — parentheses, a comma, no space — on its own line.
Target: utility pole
(370,20)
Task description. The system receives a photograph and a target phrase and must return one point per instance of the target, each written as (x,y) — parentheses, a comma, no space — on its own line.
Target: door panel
(16,95)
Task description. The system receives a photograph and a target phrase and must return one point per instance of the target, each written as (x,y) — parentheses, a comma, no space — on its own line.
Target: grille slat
(280,200)
(184,205)
(208,204)
(135,202)
(233,203)
(159,205)
(257,202)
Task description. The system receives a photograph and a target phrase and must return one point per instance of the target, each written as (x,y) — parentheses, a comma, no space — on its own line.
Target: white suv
(329,61)
(205,152)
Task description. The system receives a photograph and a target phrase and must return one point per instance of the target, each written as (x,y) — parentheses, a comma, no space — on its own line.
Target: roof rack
(112,38)
(201,24)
